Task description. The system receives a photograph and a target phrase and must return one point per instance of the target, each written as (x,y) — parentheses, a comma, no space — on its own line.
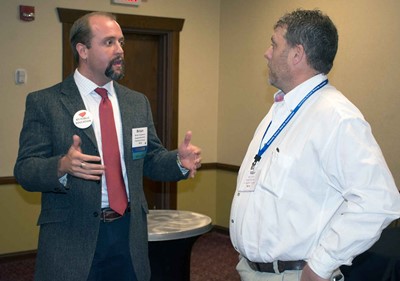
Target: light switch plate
(20,76)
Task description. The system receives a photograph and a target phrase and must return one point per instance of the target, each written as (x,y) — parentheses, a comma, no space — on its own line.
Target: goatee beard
(111,73)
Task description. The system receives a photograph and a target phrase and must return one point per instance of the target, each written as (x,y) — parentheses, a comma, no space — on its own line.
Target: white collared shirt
(324,191)
(92,101)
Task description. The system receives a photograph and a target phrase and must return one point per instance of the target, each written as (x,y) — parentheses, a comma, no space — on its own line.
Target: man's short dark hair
(82,33)
(315,32)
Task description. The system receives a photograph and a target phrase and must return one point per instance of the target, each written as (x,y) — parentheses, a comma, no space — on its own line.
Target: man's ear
(298,54)
(82,50)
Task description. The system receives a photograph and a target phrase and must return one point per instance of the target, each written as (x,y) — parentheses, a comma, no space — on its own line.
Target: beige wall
(36,47)
(222,84)
(18,216)
(366,68)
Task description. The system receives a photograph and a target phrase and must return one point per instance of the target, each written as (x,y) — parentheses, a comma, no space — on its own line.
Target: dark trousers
(112,260)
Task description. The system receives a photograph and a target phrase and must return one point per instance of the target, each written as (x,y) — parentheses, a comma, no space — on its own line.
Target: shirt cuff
(63,180)
(322,264)
(178,162)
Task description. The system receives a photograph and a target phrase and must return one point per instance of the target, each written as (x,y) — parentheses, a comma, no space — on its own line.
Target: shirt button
(232,221)
(95,214)
(238,194)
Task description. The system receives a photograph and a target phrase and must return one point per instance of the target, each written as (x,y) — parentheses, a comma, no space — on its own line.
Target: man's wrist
(60,172)
(178,161)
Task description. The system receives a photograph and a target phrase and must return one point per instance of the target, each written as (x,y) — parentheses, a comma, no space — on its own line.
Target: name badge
(139,143)
(249,179)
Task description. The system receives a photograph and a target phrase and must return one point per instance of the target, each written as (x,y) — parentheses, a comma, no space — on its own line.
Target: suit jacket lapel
(72,100)
(126,116)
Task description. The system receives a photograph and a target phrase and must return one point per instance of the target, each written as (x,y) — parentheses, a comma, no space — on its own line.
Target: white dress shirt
(322,193)
(92,101)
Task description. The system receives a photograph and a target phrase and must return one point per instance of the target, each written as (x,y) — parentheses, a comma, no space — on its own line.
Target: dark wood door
(151,57)
(143,74)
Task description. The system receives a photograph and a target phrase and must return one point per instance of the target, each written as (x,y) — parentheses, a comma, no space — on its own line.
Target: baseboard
(221,229)
(10,257)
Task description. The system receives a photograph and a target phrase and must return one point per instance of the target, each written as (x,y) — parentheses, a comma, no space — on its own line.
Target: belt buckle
(282,266)
(104,217)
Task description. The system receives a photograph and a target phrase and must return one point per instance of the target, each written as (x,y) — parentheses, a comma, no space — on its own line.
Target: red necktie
(115,183)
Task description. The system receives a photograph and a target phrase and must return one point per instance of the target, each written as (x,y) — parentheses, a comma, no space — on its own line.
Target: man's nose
(120,48)
(267,53)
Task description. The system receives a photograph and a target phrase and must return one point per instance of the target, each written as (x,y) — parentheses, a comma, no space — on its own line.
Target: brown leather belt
(109,215)
(281,266)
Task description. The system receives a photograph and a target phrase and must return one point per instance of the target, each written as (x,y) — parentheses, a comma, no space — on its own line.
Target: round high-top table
(172,234)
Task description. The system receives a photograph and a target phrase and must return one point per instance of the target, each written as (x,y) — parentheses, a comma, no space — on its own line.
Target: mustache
(119,59)
(113,74)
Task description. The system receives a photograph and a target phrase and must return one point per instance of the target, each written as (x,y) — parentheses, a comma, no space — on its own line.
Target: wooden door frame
(168,29)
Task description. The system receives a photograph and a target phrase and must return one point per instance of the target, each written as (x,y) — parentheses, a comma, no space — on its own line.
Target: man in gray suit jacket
(60,155)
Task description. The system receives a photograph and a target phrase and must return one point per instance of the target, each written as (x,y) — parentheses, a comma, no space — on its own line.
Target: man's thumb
(188,138)
(76,142)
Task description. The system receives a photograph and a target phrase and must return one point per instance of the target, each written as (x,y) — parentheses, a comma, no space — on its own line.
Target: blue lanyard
(283,125)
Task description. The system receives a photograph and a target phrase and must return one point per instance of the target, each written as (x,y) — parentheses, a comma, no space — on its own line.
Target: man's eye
(109,42)
(122,43)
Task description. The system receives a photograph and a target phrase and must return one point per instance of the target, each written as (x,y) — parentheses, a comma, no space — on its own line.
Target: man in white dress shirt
(313,190)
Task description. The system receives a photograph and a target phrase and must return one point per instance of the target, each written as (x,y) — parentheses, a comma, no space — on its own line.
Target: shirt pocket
(274,177)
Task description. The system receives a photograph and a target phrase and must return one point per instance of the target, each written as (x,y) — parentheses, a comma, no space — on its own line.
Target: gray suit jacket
(69,219)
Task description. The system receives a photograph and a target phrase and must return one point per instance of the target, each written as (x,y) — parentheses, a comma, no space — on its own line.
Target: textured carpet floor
(213,259)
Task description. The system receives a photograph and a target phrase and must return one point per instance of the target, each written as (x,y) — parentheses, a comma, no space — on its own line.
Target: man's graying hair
(315,32)
(82,33)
